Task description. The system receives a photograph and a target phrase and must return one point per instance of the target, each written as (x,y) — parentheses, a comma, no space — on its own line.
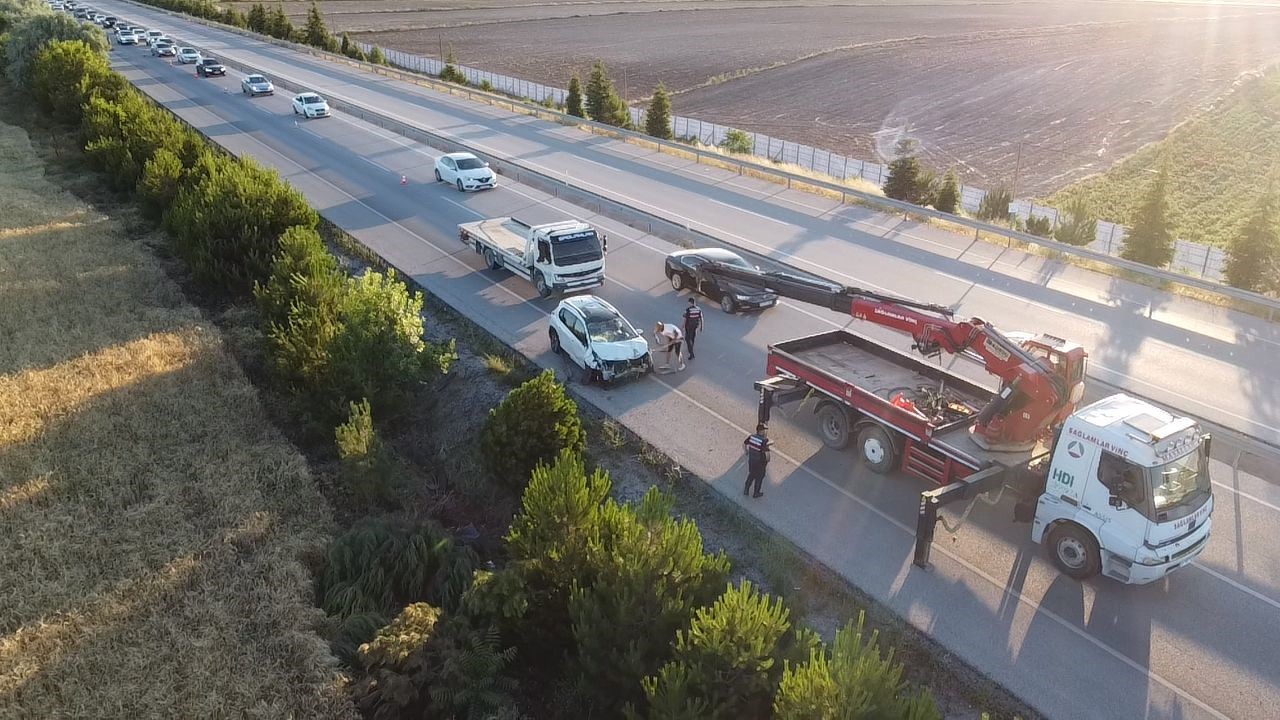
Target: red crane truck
(1120,487)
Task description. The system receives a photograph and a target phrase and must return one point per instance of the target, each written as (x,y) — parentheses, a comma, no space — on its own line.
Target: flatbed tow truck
(1120,487)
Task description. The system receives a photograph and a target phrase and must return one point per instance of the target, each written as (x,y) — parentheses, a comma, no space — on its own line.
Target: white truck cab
(563,256)
(1127,493)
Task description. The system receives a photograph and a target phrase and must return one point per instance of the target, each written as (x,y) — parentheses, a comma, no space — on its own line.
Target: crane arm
(1030,386)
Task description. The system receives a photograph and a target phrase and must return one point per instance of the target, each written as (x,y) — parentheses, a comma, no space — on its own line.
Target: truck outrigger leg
(927,516)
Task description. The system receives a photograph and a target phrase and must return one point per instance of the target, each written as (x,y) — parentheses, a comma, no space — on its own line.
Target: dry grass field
(1080,85)
(154,523)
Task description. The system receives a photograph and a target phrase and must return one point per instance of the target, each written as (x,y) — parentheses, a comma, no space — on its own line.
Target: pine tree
(377,57)
(1077,226)
(573,103)
(316,33)
(657,120)
(599,91)
(1150,242)
(948,197)
(345,46)
(278,24)
(850,679)
(727,663)
(904,174)
(619,113)
(257,20)
(450,71)
(1253,259)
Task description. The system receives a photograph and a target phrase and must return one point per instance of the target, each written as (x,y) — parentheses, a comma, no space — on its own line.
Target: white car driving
(598,339)
(310,105)
(465,172)
(255,84)
(153,35)
(188,56)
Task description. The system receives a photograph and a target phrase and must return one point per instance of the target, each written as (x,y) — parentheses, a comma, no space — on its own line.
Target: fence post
(1204,271)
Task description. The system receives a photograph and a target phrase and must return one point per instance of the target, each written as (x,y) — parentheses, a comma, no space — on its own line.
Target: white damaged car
(597,338)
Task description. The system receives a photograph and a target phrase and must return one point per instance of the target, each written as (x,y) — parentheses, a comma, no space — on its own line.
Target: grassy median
(154,523)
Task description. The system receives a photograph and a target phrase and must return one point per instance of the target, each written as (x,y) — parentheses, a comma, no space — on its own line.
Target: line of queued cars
(585,328)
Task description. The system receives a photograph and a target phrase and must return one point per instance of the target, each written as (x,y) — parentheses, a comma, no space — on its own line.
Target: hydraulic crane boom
(1041,377)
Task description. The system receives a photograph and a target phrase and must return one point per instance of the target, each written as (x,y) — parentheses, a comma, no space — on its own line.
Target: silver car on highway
(256,84)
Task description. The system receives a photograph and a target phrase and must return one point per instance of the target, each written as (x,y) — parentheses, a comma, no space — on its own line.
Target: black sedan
(683,270)
(209,67)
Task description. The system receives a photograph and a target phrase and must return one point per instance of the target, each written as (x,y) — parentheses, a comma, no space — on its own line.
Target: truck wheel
(677,282)
(727,304)
(555,341)
(877,449)
(1075,552)
(834,424)
(540,284)
(491,259)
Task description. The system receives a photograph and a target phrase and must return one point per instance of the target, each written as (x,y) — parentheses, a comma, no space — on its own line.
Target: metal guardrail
(1271,305)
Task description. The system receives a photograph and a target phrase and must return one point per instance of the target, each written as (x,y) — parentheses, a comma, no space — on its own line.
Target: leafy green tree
(316,32)
(429,664)
(1151,240)
(257,18)
(1253,258)
(381,565)
(158,186)
(1038,225)
(229,222)
(646,573)
(531,426)
(344,46)
(234,18)
(905,180)
(548,541)
(573,101)
(378,351)
(299,303)
(727,664)
(64,75)
(995,204)
(657,120)
(1076,225)
(947,199)
(368,468)
(850,680)
(398,668)
(468,668)
(738,142)
(123,133)
(27,38)
(15,12)
(377,57)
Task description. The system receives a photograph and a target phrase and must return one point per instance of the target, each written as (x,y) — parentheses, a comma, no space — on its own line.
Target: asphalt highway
(1199,644)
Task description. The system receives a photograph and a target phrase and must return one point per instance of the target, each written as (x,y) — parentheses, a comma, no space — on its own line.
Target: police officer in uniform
(692,323)
(757,447)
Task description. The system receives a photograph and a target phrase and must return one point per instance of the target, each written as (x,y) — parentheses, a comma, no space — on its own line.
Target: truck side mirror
(1115,502)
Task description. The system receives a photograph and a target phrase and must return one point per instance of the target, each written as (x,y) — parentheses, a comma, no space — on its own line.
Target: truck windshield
(1180,486)
(576,248)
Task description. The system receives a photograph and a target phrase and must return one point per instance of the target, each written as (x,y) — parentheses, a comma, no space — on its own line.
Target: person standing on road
(692,323)
(757,448)
(669,338)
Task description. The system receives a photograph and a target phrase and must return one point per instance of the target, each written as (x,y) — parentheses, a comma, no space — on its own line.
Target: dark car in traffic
(208,67)
(683,269)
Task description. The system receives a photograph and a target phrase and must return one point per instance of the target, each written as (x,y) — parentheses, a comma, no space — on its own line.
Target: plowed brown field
(1076,85)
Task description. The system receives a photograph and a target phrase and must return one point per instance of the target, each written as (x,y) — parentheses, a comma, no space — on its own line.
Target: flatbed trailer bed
(880,370)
